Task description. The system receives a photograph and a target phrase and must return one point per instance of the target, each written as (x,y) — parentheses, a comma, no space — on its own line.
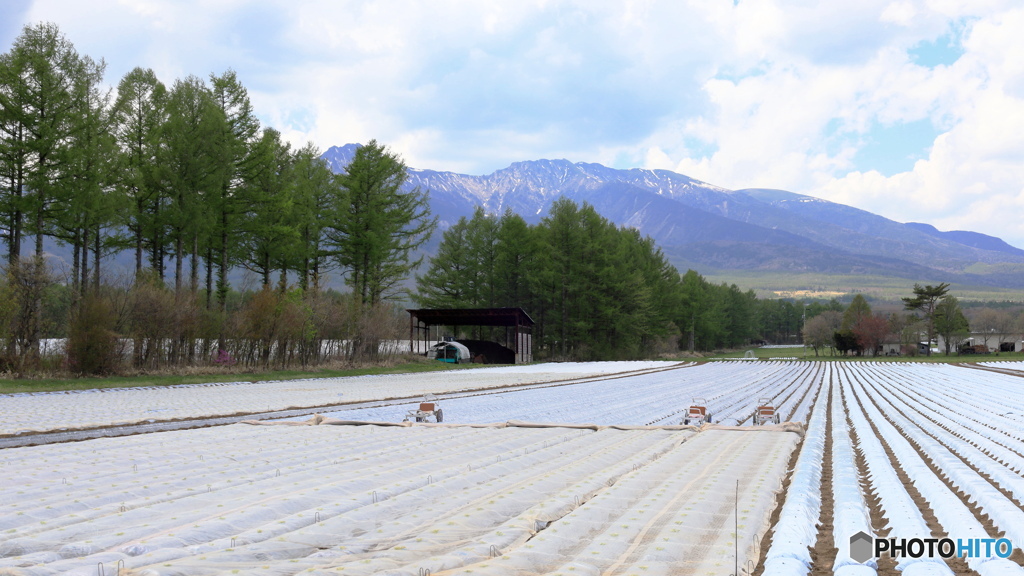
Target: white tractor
(428,411)
(765,413)
(698,413)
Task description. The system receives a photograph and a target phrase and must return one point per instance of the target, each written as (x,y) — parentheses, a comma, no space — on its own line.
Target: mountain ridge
(745,229)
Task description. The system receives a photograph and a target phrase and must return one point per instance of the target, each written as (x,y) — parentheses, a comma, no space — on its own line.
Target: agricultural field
(548,469)
(43,411)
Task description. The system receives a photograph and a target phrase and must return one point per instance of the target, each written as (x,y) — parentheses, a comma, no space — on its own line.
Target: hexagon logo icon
(861,547)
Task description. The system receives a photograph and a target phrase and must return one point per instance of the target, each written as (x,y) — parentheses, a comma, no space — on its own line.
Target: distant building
(994,342)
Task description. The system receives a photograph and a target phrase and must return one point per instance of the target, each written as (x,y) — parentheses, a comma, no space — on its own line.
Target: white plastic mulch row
(850,513)
(902,515)
(80,409)
(988,398)
(656,398)
(955,518)
(1005,514)
(815,382)
(970,440)
(796,530)
(316,499)
(1006,365)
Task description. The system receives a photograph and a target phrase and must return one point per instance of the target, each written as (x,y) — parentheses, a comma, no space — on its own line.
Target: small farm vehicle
(698,413)
(765,413)
(429,410)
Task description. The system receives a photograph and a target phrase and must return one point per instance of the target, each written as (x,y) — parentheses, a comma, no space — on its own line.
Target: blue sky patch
(895,148)
(697,149)
(943,51)
(302,119)
(12,20)
(735,75)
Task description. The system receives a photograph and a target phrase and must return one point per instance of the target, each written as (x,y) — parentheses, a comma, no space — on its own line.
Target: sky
(911,109)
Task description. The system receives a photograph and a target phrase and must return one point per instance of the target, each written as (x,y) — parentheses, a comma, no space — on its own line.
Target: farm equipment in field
(698,413)
(429,410)
(765,413)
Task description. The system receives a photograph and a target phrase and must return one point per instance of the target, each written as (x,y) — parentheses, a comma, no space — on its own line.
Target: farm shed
(517,324)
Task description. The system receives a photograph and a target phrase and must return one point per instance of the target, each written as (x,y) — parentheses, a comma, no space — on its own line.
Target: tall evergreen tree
(481,247)
(235,137)
(314,188)
(88,214)
(562,255)
(691,311)
(270,234)
(925,299)
(190,136)
(376,225)
(47,85)
(137,120)
(515,262)
(855,312)
(15,152)
(446,281)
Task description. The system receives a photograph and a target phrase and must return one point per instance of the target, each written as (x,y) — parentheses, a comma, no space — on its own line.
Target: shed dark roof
(473,317)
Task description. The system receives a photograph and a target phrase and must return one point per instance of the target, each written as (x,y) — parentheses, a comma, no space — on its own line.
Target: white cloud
(974,176)
(760,93)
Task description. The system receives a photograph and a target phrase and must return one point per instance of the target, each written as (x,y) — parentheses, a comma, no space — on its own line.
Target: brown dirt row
(990,528)
(789,417)
(766,540)
(823,554)
(886,564)
(1003,491)
(962,400)
(1009,446)
(1004,371)
(957,565)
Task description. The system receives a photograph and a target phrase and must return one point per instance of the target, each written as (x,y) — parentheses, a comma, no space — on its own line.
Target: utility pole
(803,325)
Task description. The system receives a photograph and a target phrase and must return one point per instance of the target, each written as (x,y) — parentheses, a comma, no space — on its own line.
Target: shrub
(92,345)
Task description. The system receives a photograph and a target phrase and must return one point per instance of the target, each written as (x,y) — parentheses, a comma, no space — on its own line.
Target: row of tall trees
(186,178)
(595,291)
(931,311)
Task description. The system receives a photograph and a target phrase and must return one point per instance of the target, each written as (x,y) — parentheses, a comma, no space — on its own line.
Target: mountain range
(713,229)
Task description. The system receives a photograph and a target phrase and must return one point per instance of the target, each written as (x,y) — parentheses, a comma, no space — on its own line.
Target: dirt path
(823,555)
(789,417)
(886,564)
(957,565)
(979,513)
(953,451)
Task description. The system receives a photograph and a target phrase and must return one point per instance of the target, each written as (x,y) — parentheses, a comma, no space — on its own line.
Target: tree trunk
(178,248)
(209,277)
(194,266)
(96,260)
(222,278)
(14,241)
(222,269)
(304,272)
(266,270)
(84,239)
(76,264)
(138,242)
